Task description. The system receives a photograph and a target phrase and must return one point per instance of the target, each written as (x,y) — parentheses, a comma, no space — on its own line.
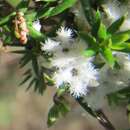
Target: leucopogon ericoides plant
(76,46)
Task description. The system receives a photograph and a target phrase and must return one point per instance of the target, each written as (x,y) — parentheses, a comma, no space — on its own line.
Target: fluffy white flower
(37,25)
(49,45)
(62,76)
(64,34)
(111,80)
(79,75)
(63,52)
(68,52)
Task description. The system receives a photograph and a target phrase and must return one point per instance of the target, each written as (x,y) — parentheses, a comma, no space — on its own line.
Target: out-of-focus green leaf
(34,77)
(88,11)
(102,32)
(106,43)
(116,25)
(31,16)
(119,96)
(25,59)
(96,25)
(49,80)
(107,54)
(89,52)
(35,65)
(34,33)
(53,115)
(6,19)
(126,47)
(48,0)
(91,41)
(61,91)
(119,46)
(59,109)
(25,79)
(14,3)
(56,10)
(23,6)
(120,38)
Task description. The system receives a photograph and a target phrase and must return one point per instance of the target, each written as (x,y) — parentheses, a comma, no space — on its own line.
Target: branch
(98,114)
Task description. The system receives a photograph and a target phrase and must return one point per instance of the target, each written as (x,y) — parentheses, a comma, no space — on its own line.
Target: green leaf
(34,33)
(23,6)
(102,32)
(88,11)
(13,3)
(34,75)
(58,110)
(27,72)
(48,0)
(25,79)
(91,41)
(89,52)
(119,96)
(118,46)
(25,60)
(35,65)
(107,54)
(53,115)
(32,82)
(49,80)
(120,38)
(96,25)
(106,43)
(7,18)
(64,108)
(126,46)
(98,16)
(30,16)
(114,27)
(56,10)
(61,91)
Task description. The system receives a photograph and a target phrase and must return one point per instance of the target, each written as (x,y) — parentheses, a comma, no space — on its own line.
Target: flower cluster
(72,67)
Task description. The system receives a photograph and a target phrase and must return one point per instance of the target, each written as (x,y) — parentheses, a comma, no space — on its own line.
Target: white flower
(79,75)
(68,52)
(37,25)
(64,33)
(62,76)
(49,45)
(63,52)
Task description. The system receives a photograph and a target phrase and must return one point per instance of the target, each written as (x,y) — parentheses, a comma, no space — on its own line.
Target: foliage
(60,107)
(102,41)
